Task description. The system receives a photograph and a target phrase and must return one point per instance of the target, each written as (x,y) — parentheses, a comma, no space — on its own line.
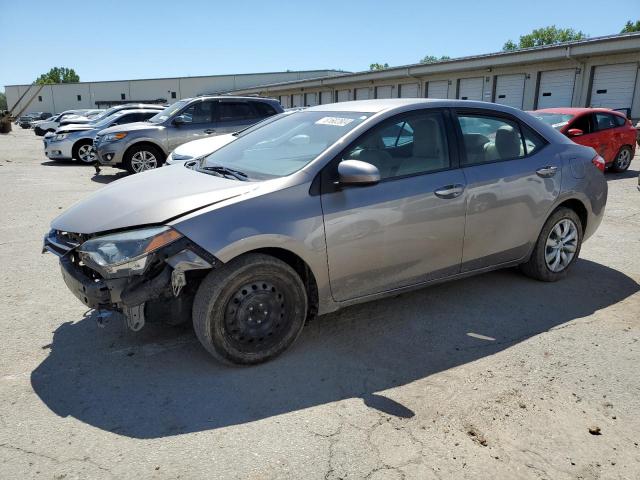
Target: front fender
(289,219)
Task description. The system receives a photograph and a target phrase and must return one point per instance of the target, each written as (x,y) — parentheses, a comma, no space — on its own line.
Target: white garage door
(285,101)
(344,95)
(409,90)
(556,88)
(439,89)
(385,91)
(613,85)
(510,90)
(296,100)
(471,88)
(326,97)
(310,99)
(362,93)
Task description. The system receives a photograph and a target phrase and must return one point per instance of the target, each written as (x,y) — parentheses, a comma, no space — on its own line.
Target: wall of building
(57,98)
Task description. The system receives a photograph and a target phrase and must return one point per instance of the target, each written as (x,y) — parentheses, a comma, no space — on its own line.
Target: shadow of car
(155,384)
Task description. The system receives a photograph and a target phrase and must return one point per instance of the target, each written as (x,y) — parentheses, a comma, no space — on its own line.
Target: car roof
(576,110)
(230,97)
(379,105)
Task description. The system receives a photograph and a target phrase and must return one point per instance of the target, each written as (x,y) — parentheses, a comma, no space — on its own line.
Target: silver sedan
(335,205)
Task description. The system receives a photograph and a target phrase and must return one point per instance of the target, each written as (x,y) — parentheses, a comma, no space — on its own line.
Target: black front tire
(537,267)
(225,302)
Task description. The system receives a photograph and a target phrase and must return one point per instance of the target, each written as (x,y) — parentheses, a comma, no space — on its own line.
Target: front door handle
(209,131)
(449,191)
(546,172)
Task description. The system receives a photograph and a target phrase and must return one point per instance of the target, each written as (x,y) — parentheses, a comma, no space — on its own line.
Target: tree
(3,101)
(434,59)
(631,27)
(378,66)
(58,75)
(544,36)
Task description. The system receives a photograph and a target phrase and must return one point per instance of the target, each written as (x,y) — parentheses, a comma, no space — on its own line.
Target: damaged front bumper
(165,288)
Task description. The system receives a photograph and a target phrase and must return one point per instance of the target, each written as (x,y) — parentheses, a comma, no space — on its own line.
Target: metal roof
(524,55)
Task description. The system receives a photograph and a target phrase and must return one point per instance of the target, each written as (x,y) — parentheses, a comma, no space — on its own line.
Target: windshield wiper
(238,175)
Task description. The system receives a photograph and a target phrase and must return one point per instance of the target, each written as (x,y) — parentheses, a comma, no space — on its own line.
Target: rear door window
(489,139)
(264,109)
(236,111)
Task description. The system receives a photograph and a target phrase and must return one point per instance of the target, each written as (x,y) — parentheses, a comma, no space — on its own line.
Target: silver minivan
(145,146)
(328,207)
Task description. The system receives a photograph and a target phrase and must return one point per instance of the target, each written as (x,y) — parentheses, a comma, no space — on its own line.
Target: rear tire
(557,247)
(623,159)
(141,158)
(250,310)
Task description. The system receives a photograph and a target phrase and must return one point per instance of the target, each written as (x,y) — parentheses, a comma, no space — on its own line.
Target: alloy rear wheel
(623,160)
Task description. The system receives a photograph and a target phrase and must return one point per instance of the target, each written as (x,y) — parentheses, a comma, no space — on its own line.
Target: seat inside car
(371,150)
(428,150)
(475,147)
(506,145)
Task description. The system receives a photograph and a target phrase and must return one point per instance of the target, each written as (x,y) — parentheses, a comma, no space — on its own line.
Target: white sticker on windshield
(335,121)
(558,125)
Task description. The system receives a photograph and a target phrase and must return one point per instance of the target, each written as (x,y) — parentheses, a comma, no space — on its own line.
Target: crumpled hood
(204,146)
(148,198)
(130,127)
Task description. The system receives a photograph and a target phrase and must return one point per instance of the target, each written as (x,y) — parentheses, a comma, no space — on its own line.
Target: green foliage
(3,101)
(434,59)
(631,27)
(378,66)
(58,75)
(544,36)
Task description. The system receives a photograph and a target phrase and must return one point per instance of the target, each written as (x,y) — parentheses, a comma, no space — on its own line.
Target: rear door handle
(209,131)
(449,191)
(546,172)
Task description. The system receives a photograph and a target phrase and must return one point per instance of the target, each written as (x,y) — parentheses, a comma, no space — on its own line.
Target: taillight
(598,161)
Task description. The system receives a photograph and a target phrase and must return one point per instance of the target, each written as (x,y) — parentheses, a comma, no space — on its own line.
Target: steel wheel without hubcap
(561,245)
(623,160)
(143,160)
(256,317)
(86,153)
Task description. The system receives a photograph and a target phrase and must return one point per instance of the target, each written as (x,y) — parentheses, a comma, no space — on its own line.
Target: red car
(609,132)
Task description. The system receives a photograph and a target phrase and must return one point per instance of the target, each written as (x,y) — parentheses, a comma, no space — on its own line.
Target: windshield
(167,112)
(284,146)
(103,115)
(107,121)
(556,120)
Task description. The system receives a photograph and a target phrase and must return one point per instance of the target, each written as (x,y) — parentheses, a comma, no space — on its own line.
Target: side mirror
(180,120)
(356,172)
(574,132)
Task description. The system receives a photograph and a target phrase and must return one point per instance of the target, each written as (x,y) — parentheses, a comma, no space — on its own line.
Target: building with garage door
(598,72)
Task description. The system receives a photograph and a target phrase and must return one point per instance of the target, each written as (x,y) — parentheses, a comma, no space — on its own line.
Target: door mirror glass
(356,172)
(574,132)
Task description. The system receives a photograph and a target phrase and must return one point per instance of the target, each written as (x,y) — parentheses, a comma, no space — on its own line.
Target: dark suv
(145,145)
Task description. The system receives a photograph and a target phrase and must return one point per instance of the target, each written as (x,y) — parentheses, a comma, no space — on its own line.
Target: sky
(120,40)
